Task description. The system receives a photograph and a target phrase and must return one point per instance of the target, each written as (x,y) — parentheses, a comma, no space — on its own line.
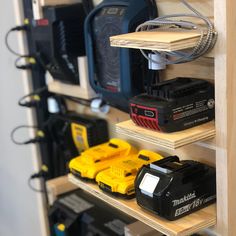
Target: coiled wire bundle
(206,41)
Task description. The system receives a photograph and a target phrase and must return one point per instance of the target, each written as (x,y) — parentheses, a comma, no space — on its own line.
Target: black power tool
(116,73)
(59,39)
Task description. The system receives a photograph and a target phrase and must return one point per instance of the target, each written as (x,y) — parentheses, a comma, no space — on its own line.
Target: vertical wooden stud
(225,82)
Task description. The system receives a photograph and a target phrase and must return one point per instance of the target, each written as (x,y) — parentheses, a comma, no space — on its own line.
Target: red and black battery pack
(174,105)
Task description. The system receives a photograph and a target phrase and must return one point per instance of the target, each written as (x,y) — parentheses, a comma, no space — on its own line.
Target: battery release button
(148,184)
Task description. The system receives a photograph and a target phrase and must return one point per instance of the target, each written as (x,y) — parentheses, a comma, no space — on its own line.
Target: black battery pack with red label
(174,105)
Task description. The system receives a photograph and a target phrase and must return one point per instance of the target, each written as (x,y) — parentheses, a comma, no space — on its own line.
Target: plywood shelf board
(70,90)
(156,40)
(182,227)
(160,143)
(167,140)
(58,186)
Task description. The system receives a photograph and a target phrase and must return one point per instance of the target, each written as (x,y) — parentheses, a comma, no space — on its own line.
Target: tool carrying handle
(186,170)
(179,87)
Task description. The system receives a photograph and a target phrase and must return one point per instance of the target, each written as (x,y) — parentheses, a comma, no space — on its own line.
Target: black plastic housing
(116,73)
(174,105)
(96,128)
(183,187)
(59,39)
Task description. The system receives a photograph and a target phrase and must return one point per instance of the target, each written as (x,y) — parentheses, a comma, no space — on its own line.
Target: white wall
(20,208)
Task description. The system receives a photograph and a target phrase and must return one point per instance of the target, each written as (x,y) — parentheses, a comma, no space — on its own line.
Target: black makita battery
(174,105)
(172,188)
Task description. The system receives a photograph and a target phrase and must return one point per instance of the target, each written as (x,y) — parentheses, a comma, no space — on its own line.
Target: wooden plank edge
(196,138)
(150,46)
(164,230)
(196,131)
(70,90)
(163,143)
(174,147)
(58,186)
(203,226)
(107,200)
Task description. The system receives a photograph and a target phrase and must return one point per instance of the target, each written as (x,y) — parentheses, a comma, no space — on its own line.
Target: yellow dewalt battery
(119,178)
(100,157)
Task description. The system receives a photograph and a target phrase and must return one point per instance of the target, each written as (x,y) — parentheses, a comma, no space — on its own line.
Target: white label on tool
(148,184)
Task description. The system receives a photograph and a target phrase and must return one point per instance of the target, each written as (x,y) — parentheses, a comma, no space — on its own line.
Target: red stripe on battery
(42,22)
(144,121)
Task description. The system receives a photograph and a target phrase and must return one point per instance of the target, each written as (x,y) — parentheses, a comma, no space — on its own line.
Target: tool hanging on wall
(72,133)
(59,40)
(117,74)
(69,134)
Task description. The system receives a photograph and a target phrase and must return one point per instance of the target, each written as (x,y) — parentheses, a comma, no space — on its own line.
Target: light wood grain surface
(58,186)
(182,227)
(156,40)
(167,7)
(223,69)
(57,2)
(203,68)
(70,90)
(225,84)
(167,140)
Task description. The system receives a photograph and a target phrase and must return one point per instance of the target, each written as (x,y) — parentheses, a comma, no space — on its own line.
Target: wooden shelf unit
(222,70)
(223,12)
(167,140)
(182,227)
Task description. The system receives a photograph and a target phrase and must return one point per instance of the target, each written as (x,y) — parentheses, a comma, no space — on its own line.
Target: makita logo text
(184,199)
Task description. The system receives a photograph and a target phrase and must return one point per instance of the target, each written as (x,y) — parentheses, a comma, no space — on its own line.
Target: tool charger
(78,131)
(174,105)
(172,188)
(59,41)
